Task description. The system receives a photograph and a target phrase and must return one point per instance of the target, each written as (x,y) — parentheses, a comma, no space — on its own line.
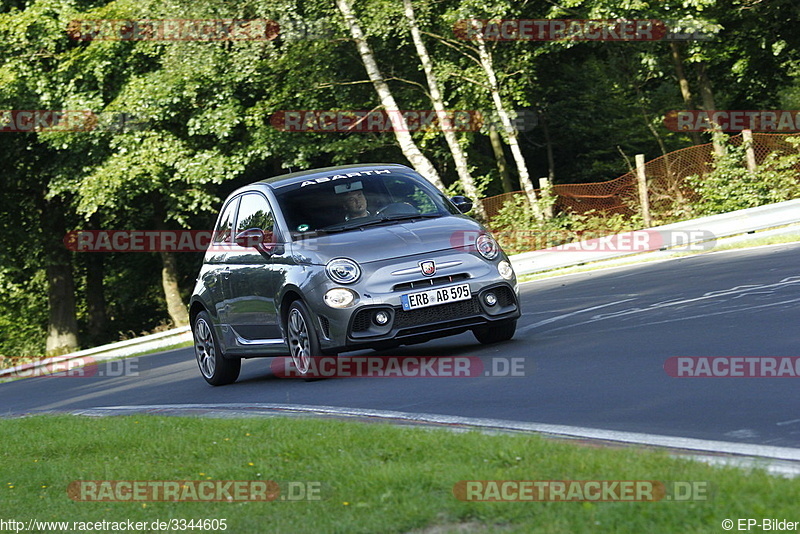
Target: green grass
(375,477)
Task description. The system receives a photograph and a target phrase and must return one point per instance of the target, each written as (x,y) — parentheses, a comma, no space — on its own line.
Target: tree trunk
(169,281)
(176,308)
(707,95)
(459,157)
(407,145)
(500,157)
(95,299)
(551,162)
(683,83)
(62,328)
(511,133)
(95,293)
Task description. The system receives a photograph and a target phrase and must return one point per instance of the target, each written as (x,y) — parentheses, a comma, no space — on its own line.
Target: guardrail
(112,351)
(694,234)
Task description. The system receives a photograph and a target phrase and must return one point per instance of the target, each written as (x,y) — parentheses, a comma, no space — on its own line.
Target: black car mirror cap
(462,203)
(252,237)
(259,240)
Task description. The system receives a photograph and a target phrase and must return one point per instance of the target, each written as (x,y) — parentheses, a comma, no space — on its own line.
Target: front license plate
(434,297)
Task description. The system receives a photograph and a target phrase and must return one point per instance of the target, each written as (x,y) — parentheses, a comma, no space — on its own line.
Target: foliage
(206,107)
(517,229)
(731,186)
(23,320)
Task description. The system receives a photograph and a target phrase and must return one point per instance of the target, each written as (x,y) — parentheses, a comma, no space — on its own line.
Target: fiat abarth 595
(320,262)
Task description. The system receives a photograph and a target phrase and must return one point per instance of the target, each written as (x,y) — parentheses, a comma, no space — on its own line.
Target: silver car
(344,258)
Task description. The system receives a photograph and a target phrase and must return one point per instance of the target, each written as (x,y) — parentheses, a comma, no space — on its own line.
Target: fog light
(381,318)
(490,299)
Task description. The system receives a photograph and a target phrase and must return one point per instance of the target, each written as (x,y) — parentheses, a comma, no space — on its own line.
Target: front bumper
(356,328)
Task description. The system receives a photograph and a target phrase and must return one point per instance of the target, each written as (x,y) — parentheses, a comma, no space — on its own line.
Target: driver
(355,205)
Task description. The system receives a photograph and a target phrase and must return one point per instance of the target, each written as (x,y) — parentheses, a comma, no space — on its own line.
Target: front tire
(495,332)
(301,336)
(215,368)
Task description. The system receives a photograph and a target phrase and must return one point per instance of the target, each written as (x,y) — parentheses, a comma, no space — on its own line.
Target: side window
(224,231)
(254,212)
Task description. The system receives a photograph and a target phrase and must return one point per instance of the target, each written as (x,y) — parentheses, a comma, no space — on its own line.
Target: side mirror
(258,239)
(462,203)
(252,237)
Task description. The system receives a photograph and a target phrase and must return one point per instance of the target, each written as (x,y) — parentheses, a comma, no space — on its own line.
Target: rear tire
(215,368)
(495,332)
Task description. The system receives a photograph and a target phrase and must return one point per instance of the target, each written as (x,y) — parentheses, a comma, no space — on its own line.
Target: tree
(460,158)
(404,138)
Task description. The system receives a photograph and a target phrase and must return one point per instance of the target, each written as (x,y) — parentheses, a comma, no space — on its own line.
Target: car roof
(277,182)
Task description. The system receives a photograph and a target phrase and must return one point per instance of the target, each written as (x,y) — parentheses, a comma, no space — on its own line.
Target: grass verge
(373,477)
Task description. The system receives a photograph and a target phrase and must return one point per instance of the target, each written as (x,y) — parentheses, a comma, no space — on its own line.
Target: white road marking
(559,317)
(634,438)
(663,321)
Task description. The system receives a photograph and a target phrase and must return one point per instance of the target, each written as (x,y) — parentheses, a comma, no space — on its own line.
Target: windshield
(350,202)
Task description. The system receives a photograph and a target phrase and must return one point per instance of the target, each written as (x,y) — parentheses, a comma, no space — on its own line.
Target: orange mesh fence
(668,191)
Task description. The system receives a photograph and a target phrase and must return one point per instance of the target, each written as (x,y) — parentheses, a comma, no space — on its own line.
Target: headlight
(339,297)
(343,271)
(505,270)
(487,246)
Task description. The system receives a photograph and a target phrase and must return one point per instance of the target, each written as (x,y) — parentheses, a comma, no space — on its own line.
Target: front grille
(437,314)
(430,282)
(362,321)
(505,296)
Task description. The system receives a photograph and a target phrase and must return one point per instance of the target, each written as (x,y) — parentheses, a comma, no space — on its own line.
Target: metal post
(644,200)
(747,137)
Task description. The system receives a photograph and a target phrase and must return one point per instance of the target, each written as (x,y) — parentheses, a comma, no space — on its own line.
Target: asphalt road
(594,347)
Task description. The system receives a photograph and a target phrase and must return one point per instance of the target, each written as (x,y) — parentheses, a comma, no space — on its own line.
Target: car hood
(404,238)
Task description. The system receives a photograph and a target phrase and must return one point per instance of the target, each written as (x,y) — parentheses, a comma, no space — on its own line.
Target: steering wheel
(398,208)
